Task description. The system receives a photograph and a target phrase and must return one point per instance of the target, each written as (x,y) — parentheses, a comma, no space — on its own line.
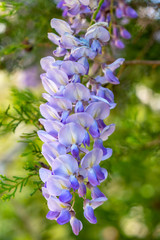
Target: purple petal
(96,193)
(96,46)
(51,126)
(52,150)
(116,64)
(99,172)
(45,193)
(46,63)
(107,152)
(54,38)
(65,196)
(71,133)
(59,52)
(85,63)
(82,189)
(64,116)
(75,151)
(76,225)
(98,110)
(131,12)
(71,68)
(98,99)
(98,32)
(44,174)
(89,214)
(84,119)
(69,41)
(86,140)
(61,26)
(107,131)
(68,162)
(55,205)
(49,85)
(110,77)
(119,44)
(79,107)
(92,177)
(83,51)
(125,34)
(45,137)
(98,201)
(92,158)
(94,130)
(74,182)
(52,215)
(60,103)
(57,76)
(119,13)
(64,217)
(56,184)
(76,91)
(85,2)
(48,112)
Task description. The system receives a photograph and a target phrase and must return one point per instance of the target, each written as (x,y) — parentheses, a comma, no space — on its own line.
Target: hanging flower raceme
(73,118)
(76,10)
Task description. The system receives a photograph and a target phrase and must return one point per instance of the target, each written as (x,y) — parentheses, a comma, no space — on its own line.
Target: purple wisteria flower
(74,117)
(78,10)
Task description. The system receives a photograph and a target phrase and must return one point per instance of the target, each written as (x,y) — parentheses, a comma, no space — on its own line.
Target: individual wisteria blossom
(74,119)
(77,10)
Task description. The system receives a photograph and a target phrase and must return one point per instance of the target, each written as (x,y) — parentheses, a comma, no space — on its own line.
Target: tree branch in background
(142,62)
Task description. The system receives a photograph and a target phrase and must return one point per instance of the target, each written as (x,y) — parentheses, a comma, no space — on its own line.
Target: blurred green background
(133,187)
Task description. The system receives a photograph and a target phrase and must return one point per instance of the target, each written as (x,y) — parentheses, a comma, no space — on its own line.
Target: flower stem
(97,10)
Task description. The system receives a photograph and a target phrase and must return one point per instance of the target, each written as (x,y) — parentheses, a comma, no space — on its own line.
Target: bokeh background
(133,187)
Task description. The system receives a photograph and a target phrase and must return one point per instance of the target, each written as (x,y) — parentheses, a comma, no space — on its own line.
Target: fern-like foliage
(25,110)
(9,187)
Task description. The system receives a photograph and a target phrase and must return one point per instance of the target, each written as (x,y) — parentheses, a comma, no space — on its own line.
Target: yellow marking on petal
(53,88)
(69,172)
(62,206)
(53,114)
(63,187)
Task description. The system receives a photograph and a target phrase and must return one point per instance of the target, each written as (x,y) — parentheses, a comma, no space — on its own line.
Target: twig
(111,11)
(143,62)
(97,10)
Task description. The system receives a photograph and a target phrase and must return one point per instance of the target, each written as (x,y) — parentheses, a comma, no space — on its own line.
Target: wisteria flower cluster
(77,10)
(74,119)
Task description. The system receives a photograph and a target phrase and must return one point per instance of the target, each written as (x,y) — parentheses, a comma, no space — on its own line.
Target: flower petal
(92,158)
(74,182)
(71,68)
(52,215)
(107,131)
(57,76)
(65,196)
(61,26)
(84,119)
(44,174)
(76,225)
(98,110)
(64,217)
(89,214)
(46,63)
(92,177)
(71,133)
(76,91)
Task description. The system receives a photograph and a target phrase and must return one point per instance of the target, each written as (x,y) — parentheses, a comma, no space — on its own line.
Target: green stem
(97,10)
(111,12)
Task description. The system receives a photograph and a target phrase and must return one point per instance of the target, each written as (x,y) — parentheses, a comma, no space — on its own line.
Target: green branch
(111,12)
(9,187)
(96,11)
